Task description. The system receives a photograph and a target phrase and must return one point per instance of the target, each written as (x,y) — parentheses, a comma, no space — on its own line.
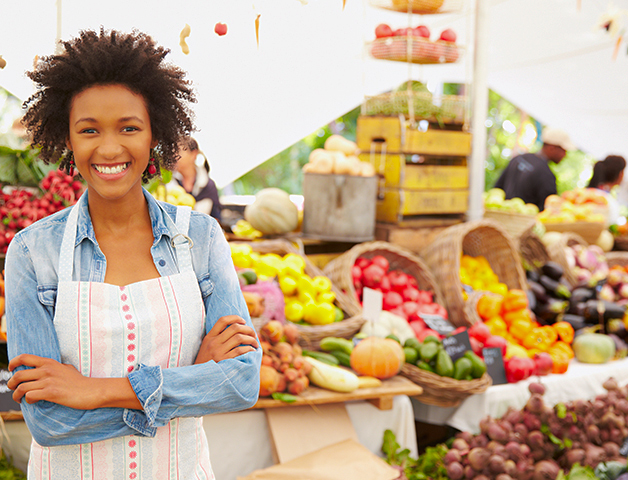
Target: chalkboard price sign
(437,323)
(495,364)
(457,344)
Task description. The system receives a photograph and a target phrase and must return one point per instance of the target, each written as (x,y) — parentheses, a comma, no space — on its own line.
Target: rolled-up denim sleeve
(30,329)
(197,390)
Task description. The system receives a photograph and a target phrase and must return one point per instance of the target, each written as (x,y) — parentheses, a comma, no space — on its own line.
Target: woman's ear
(68,144)
(154,143)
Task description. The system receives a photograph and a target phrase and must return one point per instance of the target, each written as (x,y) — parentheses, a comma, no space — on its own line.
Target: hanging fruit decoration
(182,36)
(257,28)
(220,29)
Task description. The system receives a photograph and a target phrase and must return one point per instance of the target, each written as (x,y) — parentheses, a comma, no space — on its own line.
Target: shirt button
(162,262)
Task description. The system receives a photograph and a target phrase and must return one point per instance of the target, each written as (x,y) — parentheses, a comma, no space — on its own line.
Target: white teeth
(111,170)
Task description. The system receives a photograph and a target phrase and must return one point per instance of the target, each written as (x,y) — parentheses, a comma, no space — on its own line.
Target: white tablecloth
(581,381)
(239,442)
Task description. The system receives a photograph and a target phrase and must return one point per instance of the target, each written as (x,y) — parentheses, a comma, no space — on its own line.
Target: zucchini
(332,377)
(321,357)
(328,344)
(343,358)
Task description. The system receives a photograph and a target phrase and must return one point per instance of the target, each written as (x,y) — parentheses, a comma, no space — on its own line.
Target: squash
(593,348)
(338,143)
(377,357)
(333,378)
(272,212)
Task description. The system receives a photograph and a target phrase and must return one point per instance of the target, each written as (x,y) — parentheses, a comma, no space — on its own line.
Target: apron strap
(66,254)
(179,238)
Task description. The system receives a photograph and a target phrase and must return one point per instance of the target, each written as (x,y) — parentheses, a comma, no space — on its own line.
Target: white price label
(372,304)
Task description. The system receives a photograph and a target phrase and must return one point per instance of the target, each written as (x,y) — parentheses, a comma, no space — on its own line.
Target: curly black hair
(109,58)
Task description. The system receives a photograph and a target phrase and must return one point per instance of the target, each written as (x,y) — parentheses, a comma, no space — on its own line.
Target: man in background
(528,176)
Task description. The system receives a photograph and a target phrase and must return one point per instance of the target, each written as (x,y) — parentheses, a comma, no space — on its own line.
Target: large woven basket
(557,253)
(311,335)
(532,249)
(471,306)
(516,224)
(481,237)
(339,269)
(444,391)
(619,259)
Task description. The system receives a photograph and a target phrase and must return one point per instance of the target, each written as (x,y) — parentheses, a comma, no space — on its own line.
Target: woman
(125,318)
(194,178)
(607,174)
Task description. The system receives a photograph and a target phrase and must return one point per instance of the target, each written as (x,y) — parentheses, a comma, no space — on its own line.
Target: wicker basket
(339,269)
(557,253)
(444,391)
(589,231)
(532,249)
(414,49)
(471,306)
(516,224)
(481,237)
(419,105)
(419,6)
(312,335)
(619,259)
(621,243)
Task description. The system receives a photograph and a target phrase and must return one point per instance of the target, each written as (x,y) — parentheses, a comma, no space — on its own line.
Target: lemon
(321,283)
(294,311)
(243,248)
(304,296)
(241,260)
(294,262)
(306,285)
(310,310)
(269,264)
(324,314)
(326,297)
(288,285)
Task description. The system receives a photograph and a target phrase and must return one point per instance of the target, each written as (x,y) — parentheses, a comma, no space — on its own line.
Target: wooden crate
(395,135)
(394,204)
(398,171)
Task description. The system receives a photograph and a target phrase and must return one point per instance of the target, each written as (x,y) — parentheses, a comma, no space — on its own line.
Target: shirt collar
(85,229)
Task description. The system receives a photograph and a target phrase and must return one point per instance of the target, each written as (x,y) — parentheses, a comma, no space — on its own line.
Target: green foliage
(284,169)
(8,471)
(429,466)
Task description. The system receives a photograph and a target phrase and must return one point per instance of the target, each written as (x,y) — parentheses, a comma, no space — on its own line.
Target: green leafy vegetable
(284,397)
(428,466)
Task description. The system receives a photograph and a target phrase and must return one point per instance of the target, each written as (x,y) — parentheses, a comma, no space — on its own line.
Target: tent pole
(479,98)
(58,37)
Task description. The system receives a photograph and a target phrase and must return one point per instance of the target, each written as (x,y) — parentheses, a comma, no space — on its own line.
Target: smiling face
(111,137)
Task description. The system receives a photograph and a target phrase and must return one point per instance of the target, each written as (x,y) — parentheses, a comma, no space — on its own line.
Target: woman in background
(194,178)
(607,174)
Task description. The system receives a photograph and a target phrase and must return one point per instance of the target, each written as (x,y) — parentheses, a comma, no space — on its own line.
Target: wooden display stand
(422,173)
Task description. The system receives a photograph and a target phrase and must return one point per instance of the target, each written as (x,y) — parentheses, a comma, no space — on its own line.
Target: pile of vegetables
(401,293)
(587,263)
(338,157)
(550,292)
(540,441)
(477,273)
(529,348)
(289,293)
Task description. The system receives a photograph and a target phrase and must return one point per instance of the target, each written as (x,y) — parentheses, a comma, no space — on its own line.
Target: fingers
(23,376)
(228,320)
(240,339)
(27,360)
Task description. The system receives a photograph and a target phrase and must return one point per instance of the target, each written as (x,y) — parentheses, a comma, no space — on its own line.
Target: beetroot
(535,440)
(480,440)
(455,471)
(461,445)
(452,455)
(496,464)
(503,476)
(593,455)
(466,436)
(497,433)
(513,416)
(536,387)
(546,470)
(521,431)
(575,455)
(478,458)
(531,421)
(481,477)
(611,449)
(514,452)
(593,434)
(535,403)
(510,468)
(469,473)
(610,384)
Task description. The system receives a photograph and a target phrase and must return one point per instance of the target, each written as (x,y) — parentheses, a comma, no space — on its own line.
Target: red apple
(220,29)
(448,35)
(392,300)
(383,30)
(421,31)
(381,261)
(402,32)
(410,308)
(410,294)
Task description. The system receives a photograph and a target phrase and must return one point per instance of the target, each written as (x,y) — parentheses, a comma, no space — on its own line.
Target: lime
(411,355)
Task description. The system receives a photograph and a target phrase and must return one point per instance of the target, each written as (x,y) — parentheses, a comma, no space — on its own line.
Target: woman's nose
(110,150)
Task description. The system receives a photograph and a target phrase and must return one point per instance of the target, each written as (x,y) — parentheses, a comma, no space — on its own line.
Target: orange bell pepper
(560,362)
(565,331)
(521,314)
(562,347)
(540,338)
(520,328)
(489,306)
(532,352)
(515,299)
(496,325)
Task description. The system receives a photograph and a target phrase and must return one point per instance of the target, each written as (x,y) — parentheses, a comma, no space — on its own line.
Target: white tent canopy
(544,55)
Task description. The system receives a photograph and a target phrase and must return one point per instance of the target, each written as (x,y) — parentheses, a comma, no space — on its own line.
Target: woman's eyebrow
(121,120)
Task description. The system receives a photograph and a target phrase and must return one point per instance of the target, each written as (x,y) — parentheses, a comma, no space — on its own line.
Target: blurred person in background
(607,174)
(192,173)
(528,176)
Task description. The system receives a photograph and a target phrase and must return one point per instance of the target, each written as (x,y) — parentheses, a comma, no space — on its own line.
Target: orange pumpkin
(377,357)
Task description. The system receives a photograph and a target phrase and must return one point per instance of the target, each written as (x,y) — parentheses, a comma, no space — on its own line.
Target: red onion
(455,471)
(536,387)
(478,458)
(546,470)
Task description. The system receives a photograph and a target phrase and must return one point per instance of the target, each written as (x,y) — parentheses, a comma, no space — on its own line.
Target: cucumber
(328,344)
(343,358)
(321,357)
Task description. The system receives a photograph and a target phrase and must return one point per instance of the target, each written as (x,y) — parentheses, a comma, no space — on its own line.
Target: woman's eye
(88,130)
(129,129)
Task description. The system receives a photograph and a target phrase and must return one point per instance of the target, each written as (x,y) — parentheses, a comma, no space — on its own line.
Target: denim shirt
(191,391)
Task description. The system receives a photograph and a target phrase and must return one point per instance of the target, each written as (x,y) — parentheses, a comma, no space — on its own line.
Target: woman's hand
(229,338)
(52,381)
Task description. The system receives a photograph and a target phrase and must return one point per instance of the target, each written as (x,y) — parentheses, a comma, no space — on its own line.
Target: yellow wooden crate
(395,135)
(400,173)
(377,133)
(394,204)
(437,142)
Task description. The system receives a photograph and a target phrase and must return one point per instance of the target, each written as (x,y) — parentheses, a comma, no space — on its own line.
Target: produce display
(580,204)
(21,207)
(392,44)
(338,157)
(476,273)
(294,295)
(272,212)
(495,199)
(174,194)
